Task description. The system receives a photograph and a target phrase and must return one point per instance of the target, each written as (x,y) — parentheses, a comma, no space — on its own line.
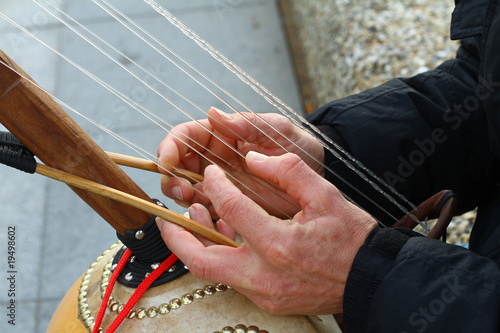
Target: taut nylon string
(191,72)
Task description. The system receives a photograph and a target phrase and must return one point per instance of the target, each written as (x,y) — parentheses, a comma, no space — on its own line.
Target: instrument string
(296,118)
(150,87)
(112,11)
(268,96)
(149,115)
(251,82)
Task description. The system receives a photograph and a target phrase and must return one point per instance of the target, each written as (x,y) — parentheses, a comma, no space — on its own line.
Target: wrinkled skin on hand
(297,266)
(225,140)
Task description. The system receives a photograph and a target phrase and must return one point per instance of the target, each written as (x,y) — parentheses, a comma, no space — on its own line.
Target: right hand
(190,146)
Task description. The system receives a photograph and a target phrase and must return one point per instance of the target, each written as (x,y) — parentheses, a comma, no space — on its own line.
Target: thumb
(292,175)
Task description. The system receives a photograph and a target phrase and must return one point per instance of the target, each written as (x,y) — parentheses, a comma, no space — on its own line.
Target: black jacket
(437,130)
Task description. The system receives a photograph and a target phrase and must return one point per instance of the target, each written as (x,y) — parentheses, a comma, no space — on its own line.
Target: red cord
(135,296)
(107,294)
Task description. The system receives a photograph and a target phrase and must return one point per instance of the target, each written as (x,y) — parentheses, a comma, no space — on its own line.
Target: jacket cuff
(373,262)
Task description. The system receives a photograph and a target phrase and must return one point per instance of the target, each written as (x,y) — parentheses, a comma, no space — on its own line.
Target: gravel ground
(351,45)
(347,46)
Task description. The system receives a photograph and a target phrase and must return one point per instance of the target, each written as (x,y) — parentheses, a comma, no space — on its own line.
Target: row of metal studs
(83,307)
(240,328)
(162,309)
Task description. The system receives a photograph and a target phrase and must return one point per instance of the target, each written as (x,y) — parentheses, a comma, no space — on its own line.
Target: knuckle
(272,305)
(227,206)
(201,268)
(290,163)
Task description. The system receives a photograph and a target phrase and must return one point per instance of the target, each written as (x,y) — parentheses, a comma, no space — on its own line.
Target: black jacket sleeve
(437,130)
(428,286)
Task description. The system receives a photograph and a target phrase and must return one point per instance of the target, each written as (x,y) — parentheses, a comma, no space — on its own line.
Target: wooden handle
(130,200)
(139,163)
(445,198)
(42,125)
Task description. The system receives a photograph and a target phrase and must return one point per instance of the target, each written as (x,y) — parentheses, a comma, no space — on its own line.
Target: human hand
(225,140)
(285,267)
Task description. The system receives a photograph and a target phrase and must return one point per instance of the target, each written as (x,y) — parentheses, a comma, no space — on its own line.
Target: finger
(225,229)
(180,146)
(201,214)
(214,263)
(292,175)
(177,188)
(251,128)
(242,214)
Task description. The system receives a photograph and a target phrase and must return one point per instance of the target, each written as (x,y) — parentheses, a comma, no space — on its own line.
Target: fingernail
(192,213)
(177,193)
(224,115)
(256,156)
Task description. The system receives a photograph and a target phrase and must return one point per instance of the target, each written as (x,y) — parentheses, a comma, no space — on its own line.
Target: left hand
(225,139)
(285,267)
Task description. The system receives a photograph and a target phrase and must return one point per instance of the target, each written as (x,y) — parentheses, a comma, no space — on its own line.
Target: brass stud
(209,290)
(88,322)
(221,287)
(199,293)
(152,312)
(253,329)
(114,306)
(187,299)
(175,304)
(84,307)
(131,259)
(164,308)
(141,313)
(240,328)
(171,269)
(131,314)
(155,265)
(85,315)
(129,276)
(120,308)
(228,329)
